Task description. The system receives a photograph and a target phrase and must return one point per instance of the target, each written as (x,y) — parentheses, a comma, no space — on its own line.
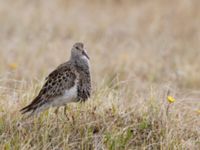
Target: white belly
(69,96)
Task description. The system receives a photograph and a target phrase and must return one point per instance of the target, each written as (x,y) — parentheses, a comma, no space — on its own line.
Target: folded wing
(58,81)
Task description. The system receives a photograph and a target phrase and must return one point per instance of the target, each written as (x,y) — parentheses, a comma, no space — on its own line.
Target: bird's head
(78,51)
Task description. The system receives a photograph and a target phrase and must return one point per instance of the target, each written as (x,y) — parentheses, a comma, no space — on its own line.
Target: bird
(69,82)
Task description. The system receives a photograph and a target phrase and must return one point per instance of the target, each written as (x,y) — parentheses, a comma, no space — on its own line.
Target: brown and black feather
(57,82)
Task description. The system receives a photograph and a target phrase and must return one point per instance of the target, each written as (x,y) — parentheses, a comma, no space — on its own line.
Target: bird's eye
(77,48)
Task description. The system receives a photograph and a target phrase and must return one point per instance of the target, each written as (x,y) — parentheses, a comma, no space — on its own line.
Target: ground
(141,53)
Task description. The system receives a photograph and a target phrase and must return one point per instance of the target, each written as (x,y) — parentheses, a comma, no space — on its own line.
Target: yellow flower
(13,66)
(170,99)
(124,57)
(198,111)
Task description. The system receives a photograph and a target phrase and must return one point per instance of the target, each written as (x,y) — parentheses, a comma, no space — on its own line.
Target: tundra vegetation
(145,63)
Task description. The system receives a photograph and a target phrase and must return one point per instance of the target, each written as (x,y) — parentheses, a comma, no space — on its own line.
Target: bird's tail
(28,108)
(35,107)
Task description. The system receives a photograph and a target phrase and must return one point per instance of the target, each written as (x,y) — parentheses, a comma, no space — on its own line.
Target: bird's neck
(82,64)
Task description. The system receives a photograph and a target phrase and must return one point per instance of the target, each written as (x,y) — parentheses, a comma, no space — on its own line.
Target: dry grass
(140,51)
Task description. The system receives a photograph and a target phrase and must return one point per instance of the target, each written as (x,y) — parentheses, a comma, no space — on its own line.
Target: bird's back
(69,82)
(57,84)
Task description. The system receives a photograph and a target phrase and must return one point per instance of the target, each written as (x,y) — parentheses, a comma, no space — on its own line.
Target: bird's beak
(85,54)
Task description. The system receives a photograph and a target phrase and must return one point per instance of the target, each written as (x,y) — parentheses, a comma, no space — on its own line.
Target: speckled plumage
(69,82)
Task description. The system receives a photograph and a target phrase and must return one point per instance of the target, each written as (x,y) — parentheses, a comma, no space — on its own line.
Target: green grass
(100,124)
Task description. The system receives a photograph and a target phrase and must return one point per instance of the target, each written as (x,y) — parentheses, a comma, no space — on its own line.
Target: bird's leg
(56,111)
(65,112)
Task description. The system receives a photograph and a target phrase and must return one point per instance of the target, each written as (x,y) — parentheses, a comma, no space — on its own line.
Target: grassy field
(141,52)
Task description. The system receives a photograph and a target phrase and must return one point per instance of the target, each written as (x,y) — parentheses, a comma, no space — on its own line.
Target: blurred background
(136,41)
(141,51)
